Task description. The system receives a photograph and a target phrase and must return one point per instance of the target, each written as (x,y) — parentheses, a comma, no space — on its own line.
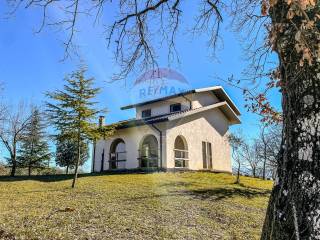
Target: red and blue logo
(159,82)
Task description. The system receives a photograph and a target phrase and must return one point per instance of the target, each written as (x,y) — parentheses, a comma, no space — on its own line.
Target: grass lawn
(133,206)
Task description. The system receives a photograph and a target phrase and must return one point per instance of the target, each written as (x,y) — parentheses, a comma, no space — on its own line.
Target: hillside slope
(133,206)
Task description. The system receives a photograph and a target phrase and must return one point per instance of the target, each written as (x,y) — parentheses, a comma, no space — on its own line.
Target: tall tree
(34,150)
(11,134)
(251,158)
(292,29)
(66,152)
(262,149)
(72,111)
(237,142)
(274,145)
(268,146)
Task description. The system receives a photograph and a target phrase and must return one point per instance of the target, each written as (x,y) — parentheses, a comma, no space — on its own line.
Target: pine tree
(34,151)
(66,153)
(73,110)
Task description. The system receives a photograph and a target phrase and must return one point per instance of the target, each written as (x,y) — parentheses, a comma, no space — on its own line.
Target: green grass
(133,206)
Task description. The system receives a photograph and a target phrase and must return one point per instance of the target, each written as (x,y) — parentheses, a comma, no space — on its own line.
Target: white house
(184,131)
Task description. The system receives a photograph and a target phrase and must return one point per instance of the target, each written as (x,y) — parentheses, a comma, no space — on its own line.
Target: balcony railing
(117,160)
(181,158)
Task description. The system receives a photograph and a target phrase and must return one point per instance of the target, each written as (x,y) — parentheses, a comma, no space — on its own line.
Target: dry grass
(133,206)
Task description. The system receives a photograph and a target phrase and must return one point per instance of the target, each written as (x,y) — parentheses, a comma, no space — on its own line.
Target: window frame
(144,111)
(174,105)
(207,155)
(204,155)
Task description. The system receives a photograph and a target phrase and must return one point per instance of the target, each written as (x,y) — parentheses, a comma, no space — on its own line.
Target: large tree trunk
(294,206)
(29,170)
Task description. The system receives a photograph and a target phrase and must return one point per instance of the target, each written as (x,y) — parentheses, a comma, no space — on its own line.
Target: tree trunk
(14,166)
(238,175)
(29,170)
(78,159)
(67,169)
(264,162)
(14,160)
(294,205)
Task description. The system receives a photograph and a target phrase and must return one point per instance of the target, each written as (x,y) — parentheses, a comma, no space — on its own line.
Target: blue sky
(30,65)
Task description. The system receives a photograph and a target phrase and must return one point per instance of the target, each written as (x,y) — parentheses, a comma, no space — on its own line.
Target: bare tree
(262,149)
(11,133)
(274,145)
(268,146)
(250,156)
(237,142)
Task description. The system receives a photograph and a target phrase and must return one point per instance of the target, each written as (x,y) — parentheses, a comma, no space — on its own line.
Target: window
(181,154)
(149,152)
(146,113)
(207,155)
(175,107)
(204,154)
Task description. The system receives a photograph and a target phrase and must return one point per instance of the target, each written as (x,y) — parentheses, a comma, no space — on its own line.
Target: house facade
(184,131)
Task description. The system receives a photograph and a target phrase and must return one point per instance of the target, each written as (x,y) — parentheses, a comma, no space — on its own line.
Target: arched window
(117,158)
(148,152)
(181,154)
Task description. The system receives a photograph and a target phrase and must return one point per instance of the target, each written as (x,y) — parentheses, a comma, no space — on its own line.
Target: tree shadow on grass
(42,178)
(215,194)
(176,184)
(224,193)
(6,236)
(64,177)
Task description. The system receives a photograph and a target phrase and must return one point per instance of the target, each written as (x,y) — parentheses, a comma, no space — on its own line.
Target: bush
(3,170)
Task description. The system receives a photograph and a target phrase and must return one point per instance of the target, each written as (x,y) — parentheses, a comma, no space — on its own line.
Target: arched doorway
(117,158)
(148,152)
(181,154)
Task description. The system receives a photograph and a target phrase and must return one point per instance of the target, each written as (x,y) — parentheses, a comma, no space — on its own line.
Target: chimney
(101,121)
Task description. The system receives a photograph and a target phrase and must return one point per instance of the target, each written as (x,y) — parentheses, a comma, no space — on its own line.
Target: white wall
(163,107)
(210,126)
(198,100)
(203,99)
(132,138)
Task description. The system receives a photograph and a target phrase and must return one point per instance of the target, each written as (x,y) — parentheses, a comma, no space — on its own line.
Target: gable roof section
(217,90)
(223,106)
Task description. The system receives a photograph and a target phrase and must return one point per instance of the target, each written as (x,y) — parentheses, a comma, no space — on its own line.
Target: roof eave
(223,106)
(157,100)
(219,90)
(230,114)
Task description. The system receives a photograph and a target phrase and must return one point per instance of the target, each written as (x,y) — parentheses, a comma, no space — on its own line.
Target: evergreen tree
(66,153)
(73,109)
(34,151)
